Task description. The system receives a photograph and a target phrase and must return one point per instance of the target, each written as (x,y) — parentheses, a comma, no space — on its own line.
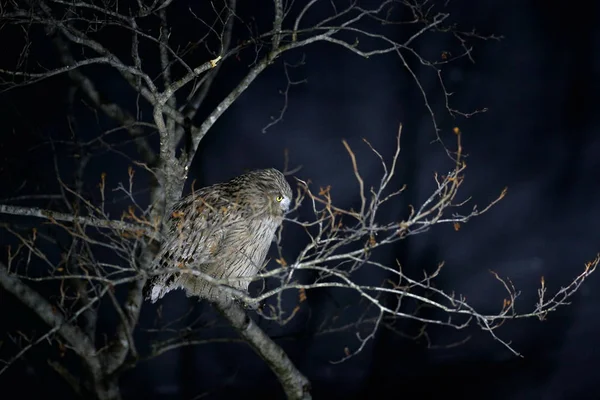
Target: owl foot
(255,305)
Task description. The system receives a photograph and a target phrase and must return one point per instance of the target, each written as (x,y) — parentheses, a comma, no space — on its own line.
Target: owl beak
(285,204)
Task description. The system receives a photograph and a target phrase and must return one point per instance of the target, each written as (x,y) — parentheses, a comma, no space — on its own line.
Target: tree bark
(107,389)
(295,385)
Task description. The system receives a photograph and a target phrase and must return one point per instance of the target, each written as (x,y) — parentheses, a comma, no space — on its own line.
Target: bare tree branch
(91,221)
(80,343)
(295,385)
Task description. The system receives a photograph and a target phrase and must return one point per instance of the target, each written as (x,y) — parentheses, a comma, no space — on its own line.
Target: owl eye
(279,198)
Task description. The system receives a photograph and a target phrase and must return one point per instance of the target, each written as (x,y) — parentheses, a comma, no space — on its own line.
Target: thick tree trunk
(108,389)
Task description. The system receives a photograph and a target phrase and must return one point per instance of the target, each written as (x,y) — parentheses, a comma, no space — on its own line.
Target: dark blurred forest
(539,85)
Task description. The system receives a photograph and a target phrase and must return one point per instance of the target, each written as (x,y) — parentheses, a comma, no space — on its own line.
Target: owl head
(277,190)
(272,192)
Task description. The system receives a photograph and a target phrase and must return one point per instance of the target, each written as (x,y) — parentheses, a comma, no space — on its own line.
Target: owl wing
(196,230)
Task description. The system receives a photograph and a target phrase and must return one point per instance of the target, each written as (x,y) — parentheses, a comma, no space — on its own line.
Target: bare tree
(81,261)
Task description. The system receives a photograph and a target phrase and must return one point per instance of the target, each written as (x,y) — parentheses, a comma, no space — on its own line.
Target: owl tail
(158,287)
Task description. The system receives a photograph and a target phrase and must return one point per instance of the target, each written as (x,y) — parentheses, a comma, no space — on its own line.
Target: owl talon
(248,305)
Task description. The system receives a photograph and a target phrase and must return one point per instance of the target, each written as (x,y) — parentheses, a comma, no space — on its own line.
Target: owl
(224,230)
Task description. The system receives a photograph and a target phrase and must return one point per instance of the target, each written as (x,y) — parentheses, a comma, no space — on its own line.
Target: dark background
(538,137)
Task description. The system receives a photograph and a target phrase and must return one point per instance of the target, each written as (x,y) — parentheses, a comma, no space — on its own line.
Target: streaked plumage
(224,230)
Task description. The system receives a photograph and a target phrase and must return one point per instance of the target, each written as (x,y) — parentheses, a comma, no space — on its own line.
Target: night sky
(538,137)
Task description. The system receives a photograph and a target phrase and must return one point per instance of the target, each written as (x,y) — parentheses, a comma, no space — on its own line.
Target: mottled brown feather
(224,230)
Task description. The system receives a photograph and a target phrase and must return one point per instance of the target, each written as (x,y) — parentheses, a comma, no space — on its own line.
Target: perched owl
(224,230)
